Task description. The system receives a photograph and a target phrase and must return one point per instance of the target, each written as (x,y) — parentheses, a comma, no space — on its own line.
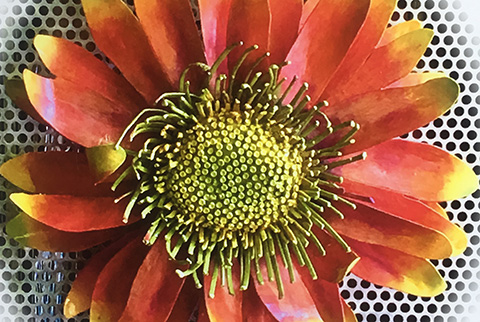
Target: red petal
(224,304)
(412,210)
(348,314)
(70,213)
(114,282)
(214,15)
(419,170)
(171,29)
(336,263)
(437,208)
(32,233)
(307,11)
(377,19)
(284,25)
(80,296)
(155,288)
(399,30)
(375,227)
(87,71)
(120,36)
(253,308)
(15,89)
(384,65)
(80,113)
(388,267)
(316,55)
(296,305)
(52,172)
(186,303)
(385,114)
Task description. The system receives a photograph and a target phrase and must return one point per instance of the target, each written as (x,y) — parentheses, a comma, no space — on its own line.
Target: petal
(214,27)
(377,19)
(71,213)
(15,89)
(316,55)
(52,172)
(81,114)
(87,71)
(399,30)
(437,208)
(284,25)
(120,36)
(307,11)
(385,65)
(155,288)
(411,210)
(336,263)
(224,304)
(348,314)
(173,34)
(80,295)
(296,305)
(114,282)
(376,227)
(415,169)
(105,160)
(388,113)
(186,303)
(32,233)
(388,267)
(253,308)
(414,79)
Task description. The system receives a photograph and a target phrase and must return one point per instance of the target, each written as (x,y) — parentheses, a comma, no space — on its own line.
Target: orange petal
(284,25)
(384,66)
(86,72)
(377,19)
(414,79)
(79,113)
(15,89)
(388,113)
(214,15)
(155,288)
(316,55)
(224,304)
(173,34)
(376,227)
(297,303)
(113,285)
(105,160)
(253,308)
(32,233)
(415,169)
(71,213)
(120,36)
(52,172)
(348,314)
(186,303)
(412,210)
(392,268)
(80,296)
(437,208)
(307,11)
(399,30)
(336,263)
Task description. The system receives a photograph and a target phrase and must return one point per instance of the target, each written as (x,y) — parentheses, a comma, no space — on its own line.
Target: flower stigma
(233,174)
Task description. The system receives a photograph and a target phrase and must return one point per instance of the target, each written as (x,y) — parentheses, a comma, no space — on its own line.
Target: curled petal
(392,268)
(415,169)
(105,160)
(348,314)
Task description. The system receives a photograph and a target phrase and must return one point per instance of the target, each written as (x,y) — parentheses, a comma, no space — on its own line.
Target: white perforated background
(34,284)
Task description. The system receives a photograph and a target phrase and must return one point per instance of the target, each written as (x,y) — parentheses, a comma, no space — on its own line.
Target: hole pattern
(33,284)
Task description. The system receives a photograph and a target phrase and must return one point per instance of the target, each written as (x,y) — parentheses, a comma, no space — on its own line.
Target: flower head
(259,165)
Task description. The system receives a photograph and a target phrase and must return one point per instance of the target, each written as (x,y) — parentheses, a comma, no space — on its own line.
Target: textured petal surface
(392,268)
(155,288)
(120,36)
(297,304)
(385,114)
(419,170)
(171,29)
(32,233)
(316,55)
(114,282)
(71,213)
(375,227)
(15,89)
(224,304)
(385,65)
(412,210)
(377,19)
(80,113)
(80,296)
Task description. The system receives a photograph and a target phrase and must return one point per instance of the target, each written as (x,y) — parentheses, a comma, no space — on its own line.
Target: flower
(231,171)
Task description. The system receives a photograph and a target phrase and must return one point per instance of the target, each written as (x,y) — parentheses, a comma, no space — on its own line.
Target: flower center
(233,174)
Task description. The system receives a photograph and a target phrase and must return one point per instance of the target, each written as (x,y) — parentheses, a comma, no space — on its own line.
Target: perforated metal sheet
(34,284)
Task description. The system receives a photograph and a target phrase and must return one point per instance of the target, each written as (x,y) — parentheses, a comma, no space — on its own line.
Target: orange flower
(223,175)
